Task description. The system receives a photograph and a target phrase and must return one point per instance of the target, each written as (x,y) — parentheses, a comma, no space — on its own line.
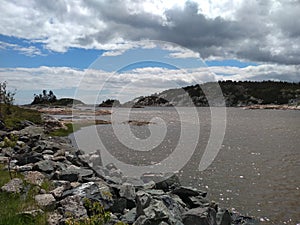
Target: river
(255,172)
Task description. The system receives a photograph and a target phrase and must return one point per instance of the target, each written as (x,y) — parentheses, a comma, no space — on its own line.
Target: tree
(6,97)
(44,98)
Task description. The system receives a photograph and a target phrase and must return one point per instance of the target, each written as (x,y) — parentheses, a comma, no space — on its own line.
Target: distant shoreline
(273,106)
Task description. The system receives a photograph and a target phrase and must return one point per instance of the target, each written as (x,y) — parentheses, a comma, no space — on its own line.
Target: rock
(59,158)
(59,183)
(176,208)
(197,201)
(127,191)
(69,175)
(199,216)
(129,217)
(97,191)
(24,138)
(34,177)
(45,201)
(142,220)
(47,157)
(74,173)
(102,171)
(223,217)
(13,186)
(24,168)
(115,173)
(45,166)
(118,206)
(188,191)
(48,152)
(245,220)
(143,200)
(188,196)
(157,211)
(4,160)
(73,207)
(38,148)
(58,192)
(60,152)
(2,132)
(137,182)
(155,192)
(32,157)
(32,213)
(2,125)
(165,182)
(111,166)
(169,182)
(42,191)
(20,143)
(54,218)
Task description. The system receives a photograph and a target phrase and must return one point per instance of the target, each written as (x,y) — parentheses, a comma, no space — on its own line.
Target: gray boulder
(54,218)
(199,216)
(72,206)
(45,166)
(34,177)
(223,217)
(13,186)
(129,217)
(97,191)
(143,200)
(127,191)
(69,175)
(45,201)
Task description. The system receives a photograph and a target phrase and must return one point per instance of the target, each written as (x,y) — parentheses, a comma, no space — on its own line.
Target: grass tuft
(11,205)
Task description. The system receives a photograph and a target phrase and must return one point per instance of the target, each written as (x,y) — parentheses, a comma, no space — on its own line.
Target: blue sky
(145,47)
(12,57)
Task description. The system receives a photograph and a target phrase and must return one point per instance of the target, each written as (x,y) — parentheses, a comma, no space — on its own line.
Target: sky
(98,49)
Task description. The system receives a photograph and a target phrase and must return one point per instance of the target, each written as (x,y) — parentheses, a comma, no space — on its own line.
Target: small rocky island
(80,188)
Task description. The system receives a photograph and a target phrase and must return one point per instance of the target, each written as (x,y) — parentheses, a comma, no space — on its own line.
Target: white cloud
(28,51)
(128,85)
(187,54)
(261,31)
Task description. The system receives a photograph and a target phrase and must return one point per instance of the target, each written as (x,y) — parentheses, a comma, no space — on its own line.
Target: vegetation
(110,103)
(13,119)
(13,204)
(236,93)
(72,127)
(6,99)
(65,132)
(9,143)
(68,101)
(46,98)
(97,215)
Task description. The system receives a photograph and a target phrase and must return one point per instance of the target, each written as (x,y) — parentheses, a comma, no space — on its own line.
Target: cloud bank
(125,86)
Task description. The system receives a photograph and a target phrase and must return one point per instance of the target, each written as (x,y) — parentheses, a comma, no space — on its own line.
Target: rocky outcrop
(229,93)
(155,199)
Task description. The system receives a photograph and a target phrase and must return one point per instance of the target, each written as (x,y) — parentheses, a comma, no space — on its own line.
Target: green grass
(72,127)
(13,115)
(12,204)
(65,132)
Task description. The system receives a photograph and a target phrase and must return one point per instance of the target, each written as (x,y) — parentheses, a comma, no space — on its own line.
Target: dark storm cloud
(256,33)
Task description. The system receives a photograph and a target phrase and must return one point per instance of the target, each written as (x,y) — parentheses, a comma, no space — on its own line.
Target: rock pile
(76,176)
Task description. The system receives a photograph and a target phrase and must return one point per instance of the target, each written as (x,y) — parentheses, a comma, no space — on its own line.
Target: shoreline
(273,106)
(76,176)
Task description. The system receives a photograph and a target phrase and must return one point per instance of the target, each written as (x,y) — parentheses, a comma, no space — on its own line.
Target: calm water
(256,170)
